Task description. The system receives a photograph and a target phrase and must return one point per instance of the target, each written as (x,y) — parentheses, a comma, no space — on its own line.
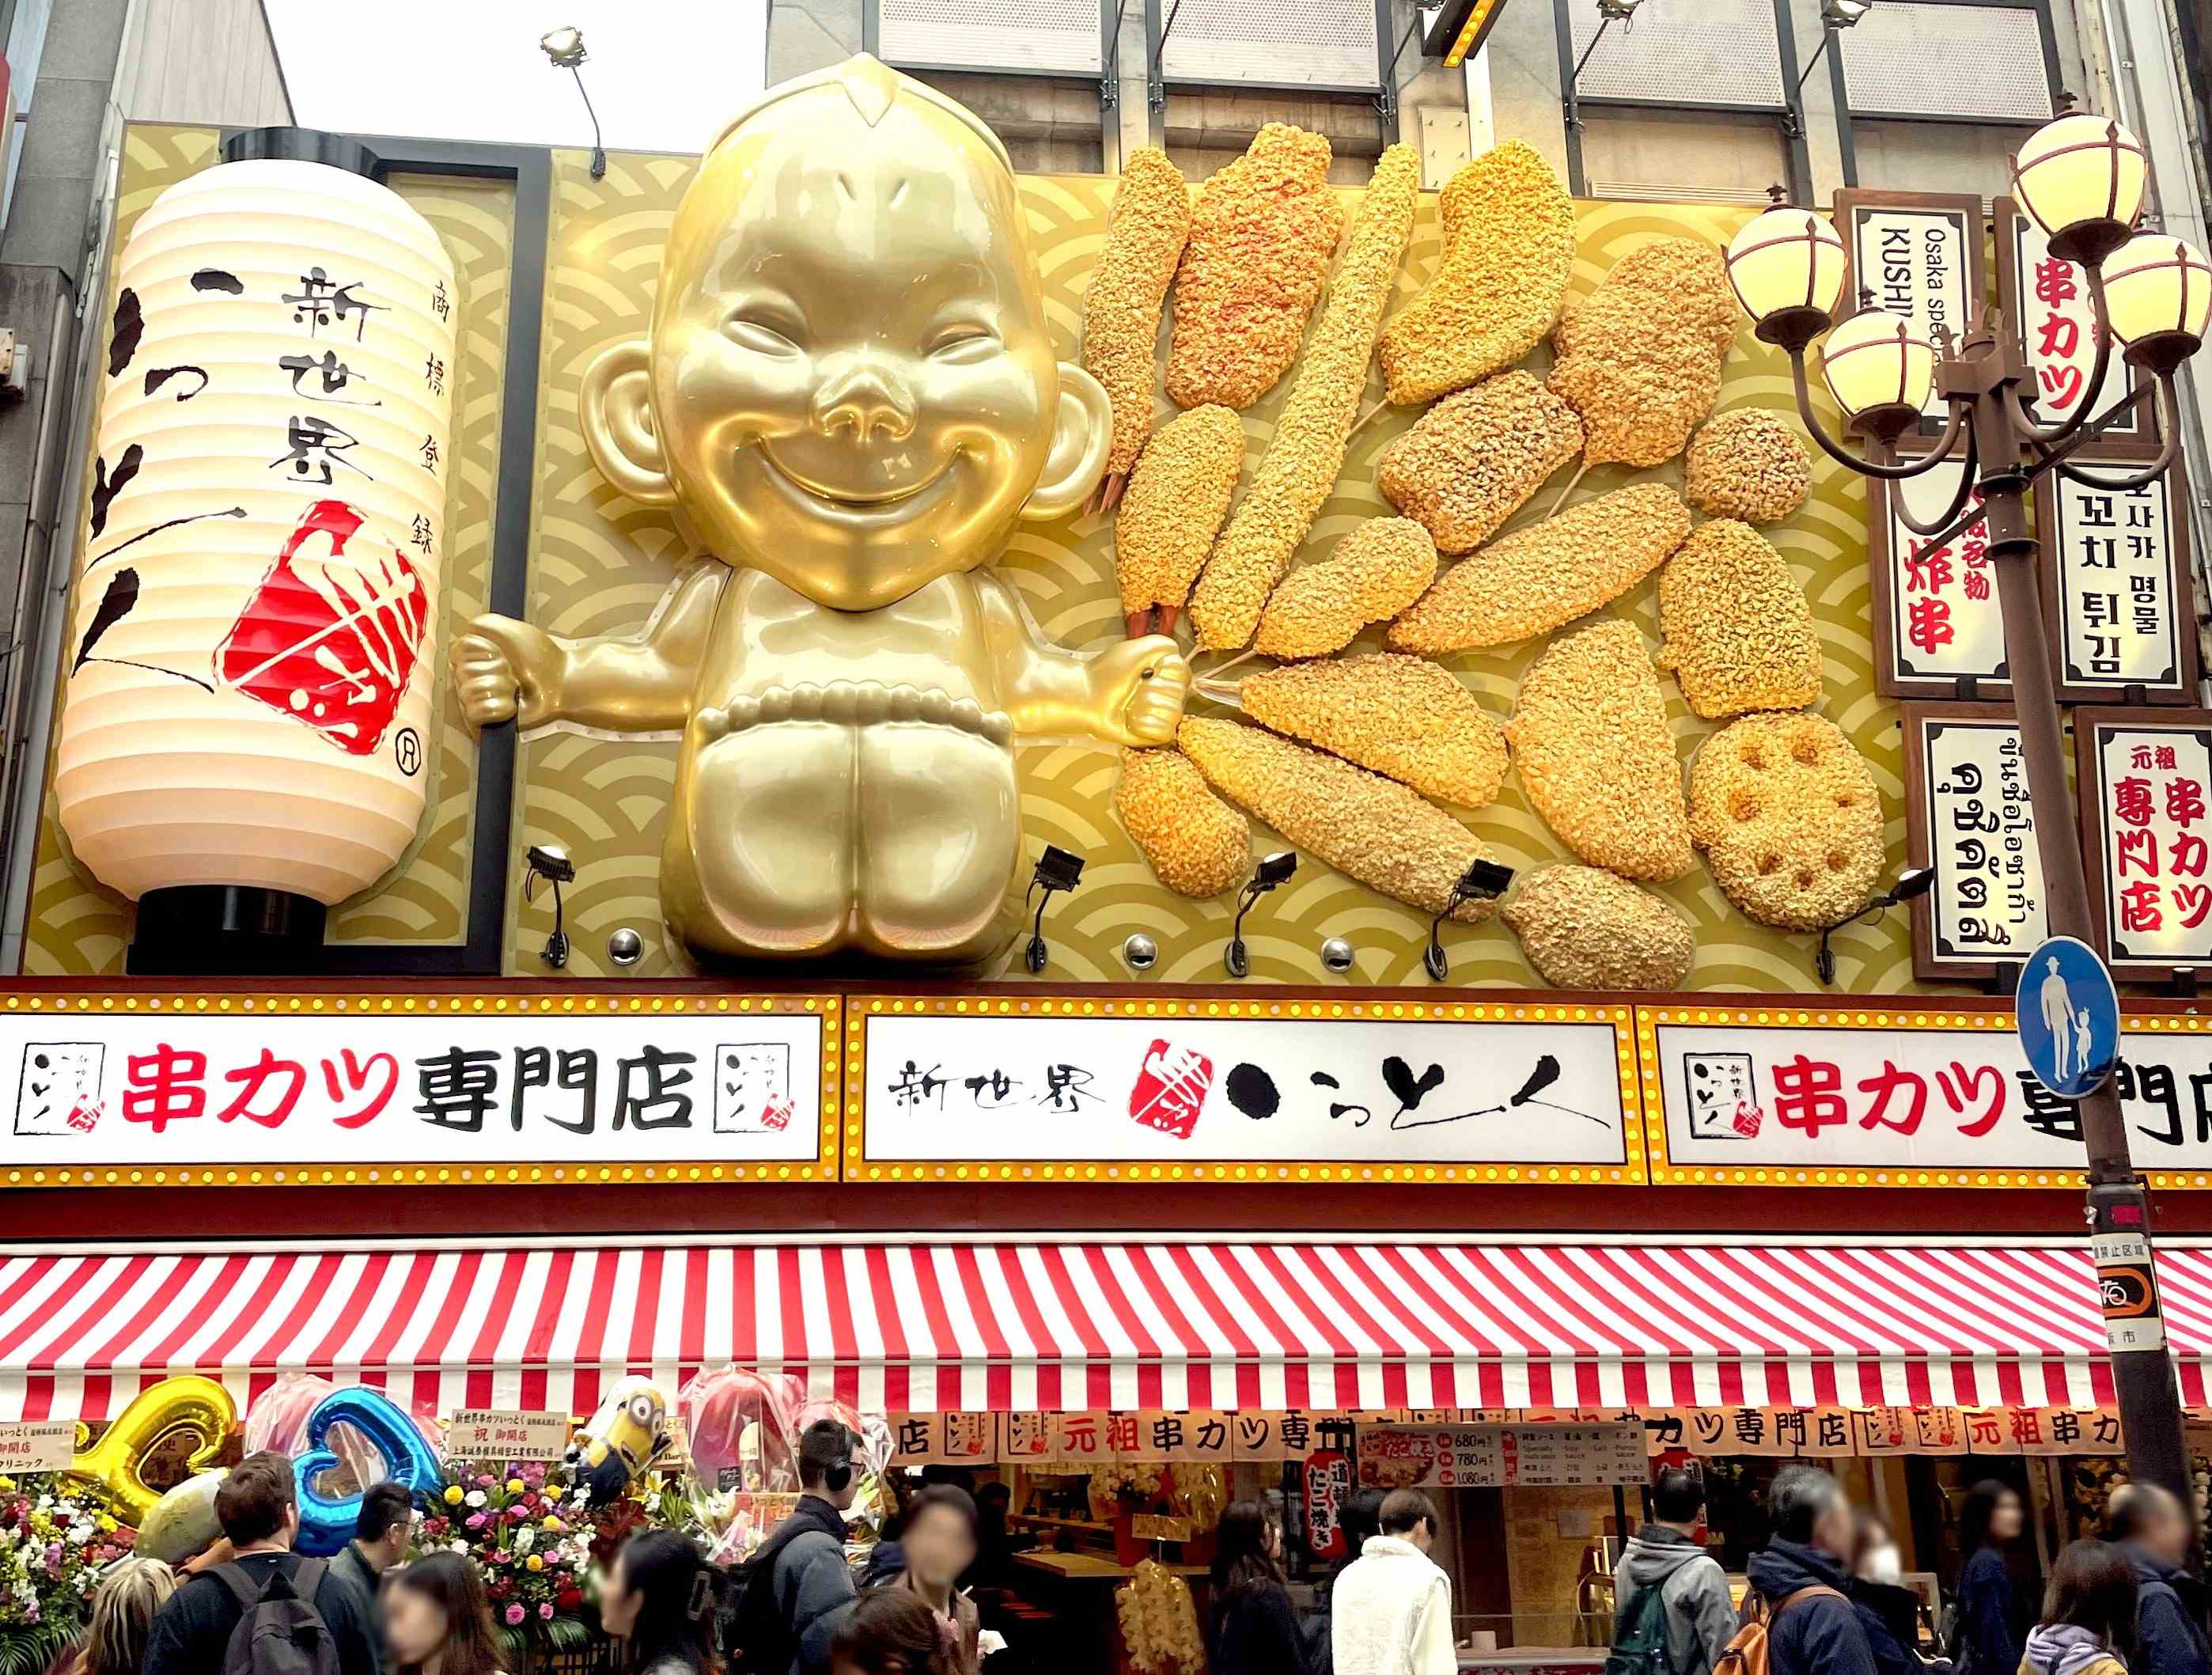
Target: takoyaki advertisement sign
(253,1090)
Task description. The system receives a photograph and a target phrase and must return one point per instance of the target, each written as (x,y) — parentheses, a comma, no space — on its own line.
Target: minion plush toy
(626,1436)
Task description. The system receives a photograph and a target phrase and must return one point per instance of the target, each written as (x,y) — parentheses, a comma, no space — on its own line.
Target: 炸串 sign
(301,1087)
(491,1434)
(1938,626)
(1920,256)
(1180,1083)
(1910,1097)
(2048,298)
(2118,600)
(2144,782)
(1969,817)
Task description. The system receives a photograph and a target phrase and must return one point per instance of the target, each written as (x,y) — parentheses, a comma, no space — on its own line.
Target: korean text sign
(367,1089)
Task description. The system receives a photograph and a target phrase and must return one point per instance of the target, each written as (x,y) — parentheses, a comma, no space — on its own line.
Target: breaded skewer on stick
(1177,497)
(1146,232)
(1508,251)
(1302,461)
(1260,239)
(1372,830)
(1195,844)
(1375,571)
(1639,357)
(1475,458)
(1402,716)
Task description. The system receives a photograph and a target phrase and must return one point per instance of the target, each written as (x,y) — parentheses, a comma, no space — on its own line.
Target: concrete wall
(208,61)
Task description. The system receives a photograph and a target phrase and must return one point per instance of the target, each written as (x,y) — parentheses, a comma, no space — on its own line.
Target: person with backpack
(2088,1625)
(2153,1530)
(437,1619)
(1988,1630)
(797,1586)
(1804,1622)
(266,1611)
(1672,1612)
(1390,1611)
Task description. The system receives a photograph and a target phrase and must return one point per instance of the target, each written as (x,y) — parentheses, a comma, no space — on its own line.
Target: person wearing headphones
(797,1586)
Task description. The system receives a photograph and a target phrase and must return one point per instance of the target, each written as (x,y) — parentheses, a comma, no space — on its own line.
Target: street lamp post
(2081,178)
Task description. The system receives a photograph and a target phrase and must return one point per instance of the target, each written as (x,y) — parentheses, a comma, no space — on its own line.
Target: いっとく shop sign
(1194,1088)
(233,1088)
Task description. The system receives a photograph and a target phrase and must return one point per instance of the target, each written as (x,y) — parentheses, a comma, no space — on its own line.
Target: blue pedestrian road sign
(2068,1017)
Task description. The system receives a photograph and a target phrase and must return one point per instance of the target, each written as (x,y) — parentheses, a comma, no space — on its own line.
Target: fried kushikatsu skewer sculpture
(1145,234)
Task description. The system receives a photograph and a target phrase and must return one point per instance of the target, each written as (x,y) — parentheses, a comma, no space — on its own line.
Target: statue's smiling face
(851,372)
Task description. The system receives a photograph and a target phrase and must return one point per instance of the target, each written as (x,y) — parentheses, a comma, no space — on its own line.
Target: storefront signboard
(1082,1440)
(1918,254)
(491,1434)
(1501,1456)
(2048,298)
(1902,1097)
(1969,817)
(2145,779)
(2116,598)
(301,1088)
(1191,1088)
(1938,626)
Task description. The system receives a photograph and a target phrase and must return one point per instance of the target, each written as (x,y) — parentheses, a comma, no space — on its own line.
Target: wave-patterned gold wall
(599,562)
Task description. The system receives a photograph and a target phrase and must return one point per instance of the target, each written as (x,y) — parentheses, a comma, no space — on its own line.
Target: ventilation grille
(1315,43)
(1921,60)
(1685,53)
(1044,37)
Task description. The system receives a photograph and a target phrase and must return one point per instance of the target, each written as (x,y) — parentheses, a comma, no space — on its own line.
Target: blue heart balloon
(325,1525)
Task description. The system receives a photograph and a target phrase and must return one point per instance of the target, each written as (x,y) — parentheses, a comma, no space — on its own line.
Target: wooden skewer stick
(1220,669)
(1360,423)
(1569,490)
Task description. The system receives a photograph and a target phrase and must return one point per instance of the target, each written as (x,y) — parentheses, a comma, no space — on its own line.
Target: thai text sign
(1969,817)
(1180,1084)
(299,1087)
(1920,1099)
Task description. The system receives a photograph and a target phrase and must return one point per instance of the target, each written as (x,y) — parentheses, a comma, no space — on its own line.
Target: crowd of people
(1827,1596)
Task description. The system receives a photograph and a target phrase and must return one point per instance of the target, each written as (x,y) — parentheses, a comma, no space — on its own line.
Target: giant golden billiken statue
(849,397)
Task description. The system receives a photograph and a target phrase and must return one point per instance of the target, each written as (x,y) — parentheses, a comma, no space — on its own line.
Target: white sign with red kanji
(1945,622)
(2058,327)
(1890,1100)
(96,1090)
(2149,786)
(1195,1089)
(2119,623)
(1987,900)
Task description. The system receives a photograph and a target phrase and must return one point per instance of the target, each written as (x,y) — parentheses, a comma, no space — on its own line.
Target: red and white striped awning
(1070,1324)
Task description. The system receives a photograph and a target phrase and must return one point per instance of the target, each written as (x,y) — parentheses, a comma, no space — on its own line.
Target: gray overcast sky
(662,73)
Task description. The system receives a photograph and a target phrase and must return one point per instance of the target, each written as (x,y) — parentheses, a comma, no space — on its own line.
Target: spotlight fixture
(1056,870)
(549,863)
(1842,13)
(564,49)
(1486,880)
(1273,869)
(1912,883)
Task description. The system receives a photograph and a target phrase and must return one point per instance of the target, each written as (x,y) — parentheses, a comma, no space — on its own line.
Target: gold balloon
(190,1404)
(850,397)
(1203,1494)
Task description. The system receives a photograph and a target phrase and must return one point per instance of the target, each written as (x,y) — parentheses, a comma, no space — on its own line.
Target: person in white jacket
(1390,1611)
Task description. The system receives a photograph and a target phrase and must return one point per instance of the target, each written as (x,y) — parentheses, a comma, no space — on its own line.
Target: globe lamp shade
(1880,367)
(2158,299)
(2081,180)
(1786,266)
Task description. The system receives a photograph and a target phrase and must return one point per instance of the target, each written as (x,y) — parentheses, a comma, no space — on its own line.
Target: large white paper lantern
(250,667)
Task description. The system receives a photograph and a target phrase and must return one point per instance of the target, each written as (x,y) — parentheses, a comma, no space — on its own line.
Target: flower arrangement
(54,1538)
(530,1535)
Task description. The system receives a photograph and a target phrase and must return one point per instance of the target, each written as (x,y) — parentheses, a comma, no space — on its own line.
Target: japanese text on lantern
(2150,785)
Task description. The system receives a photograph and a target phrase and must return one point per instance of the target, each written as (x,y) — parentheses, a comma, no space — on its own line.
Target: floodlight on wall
(1835,15)
(249,671)
(564,49)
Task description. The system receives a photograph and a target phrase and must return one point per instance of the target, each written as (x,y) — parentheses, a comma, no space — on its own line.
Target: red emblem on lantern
(328,639)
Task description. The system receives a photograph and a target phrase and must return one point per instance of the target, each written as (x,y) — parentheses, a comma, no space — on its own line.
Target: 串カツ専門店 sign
(301,1087)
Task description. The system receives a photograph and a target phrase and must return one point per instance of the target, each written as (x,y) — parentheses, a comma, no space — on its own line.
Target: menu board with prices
(1969,816)
(1938,623)
(1501,1456)
(2117,604)
(2145,777)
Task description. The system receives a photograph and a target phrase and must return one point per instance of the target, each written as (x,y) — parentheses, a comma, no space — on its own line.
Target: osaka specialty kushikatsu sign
(1783,1096)
(1207,1089)
(303,1087)
(1917,255)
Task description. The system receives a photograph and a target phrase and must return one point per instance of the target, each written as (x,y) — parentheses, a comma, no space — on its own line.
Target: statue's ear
(1082,431)
(619,427)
